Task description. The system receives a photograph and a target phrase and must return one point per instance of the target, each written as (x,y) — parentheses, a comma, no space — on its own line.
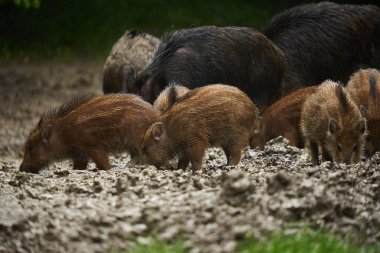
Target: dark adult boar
(326,41)
(332,122)
(128,57)
(89,128)
(210,116)
(283,118)
(237,56)
(364,88)
(169,96)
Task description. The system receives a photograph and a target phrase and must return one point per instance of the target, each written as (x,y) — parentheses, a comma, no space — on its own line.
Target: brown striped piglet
(331,122)
(210,116)
(283,118)
(89,128)
(364,88)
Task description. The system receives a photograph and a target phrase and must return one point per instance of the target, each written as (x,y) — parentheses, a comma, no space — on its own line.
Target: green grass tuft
(156,246)
(306,241)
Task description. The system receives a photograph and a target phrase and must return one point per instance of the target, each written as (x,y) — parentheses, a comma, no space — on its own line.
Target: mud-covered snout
(33,167)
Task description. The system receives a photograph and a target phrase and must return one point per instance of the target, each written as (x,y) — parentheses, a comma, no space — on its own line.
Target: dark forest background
(78,28)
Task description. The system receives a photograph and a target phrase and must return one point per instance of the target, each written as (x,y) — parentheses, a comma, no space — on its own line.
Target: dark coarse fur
(283,118)
(213,115)
(89,128)
(237,56)
(326,41)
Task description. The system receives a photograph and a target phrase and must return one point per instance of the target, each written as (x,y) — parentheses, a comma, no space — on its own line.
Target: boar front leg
(314,153)
(80,163)
(196,155)
(100,158)
(183,162)
(326,155)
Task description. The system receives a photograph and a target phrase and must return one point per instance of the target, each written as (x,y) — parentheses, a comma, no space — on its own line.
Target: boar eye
(339,148)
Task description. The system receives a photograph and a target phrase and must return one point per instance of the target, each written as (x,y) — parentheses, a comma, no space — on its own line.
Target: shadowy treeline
(78,28)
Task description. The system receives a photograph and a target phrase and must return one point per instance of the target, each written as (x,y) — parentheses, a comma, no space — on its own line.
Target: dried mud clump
(62,210)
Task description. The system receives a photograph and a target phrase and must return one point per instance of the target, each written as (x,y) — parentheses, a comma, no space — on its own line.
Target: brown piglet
(89,128)
(210,116)
(364,88)
(169,96)
(283,118)
(332,122)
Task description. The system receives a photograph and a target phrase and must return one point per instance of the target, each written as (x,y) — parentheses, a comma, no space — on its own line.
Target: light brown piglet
(331,121)
(364,88)
(210,116)
(169,96)
(89,128)
(283,118)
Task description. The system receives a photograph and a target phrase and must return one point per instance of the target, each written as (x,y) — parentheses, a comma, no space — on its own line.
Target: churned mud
(62,210)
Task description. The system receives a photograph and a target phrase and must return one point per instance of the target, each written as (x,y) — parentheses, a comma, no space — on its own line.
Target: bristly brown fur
(342,97)
(64,109)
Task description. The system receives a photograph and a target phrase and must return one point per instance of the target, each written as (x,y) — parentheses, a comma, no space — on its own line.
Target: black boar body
(326,41)
(237,56)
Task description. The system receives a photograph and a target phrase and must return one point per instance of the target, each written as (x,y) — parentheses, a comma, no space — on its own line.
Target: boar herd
(311,77)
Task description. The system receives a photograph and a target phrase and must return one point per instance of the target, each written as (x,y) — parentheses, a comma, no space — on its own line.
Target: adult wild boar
(237,56)
(128,57)
(326,41)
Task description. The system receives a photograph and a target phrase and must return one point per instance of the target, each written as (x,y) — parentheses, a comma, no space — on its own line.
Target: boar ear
(363,111)
(157,131)
(333,126)
(361,126)
(46,134)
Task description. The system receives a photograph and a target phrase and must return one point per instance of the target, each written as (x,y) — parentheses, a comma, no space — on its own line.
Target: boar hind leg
(100,158)
(196,155)
(183,162)
(235,150)
(80,163)
(233,154)
(314,153)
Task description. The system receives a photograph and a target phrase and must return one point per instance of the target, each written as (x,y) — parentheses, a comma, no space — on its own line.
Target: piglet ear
(157,131)
(363,111)
(361,126)
(46,134)
(333,126)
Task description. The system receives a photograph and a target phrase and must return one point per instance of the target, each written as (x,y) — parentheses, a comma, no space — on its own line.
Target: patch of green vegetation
(156,246)
(305,241)
(79,28)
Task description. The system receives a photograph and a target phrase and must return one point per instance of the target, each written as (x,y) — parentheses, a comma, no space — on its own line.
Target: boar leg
(196,155)
(326,155)
(233,154)
(134,159)
(314,153)
(80,163)
(100,158)
(183,162)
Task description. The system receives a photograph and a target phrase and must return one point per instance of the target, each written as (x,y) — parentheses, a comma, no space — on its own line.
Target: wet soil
(62,210)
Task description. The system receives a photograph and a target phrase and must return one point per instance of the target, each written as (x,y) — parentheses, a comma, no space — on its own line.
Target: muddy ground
(62,210)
